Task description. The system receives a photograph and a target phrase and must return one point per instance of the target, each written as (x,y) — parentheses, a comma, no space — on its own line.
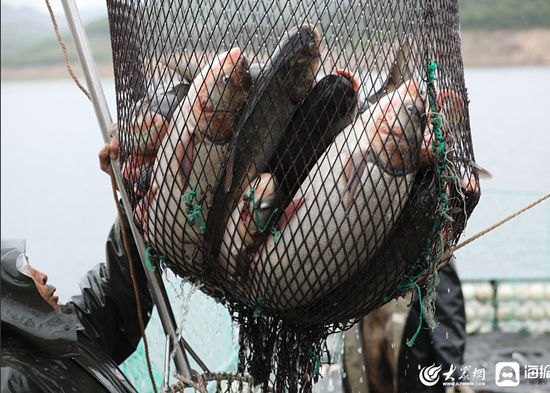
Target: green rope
(148,260)
(194,214)
(424,263)
(276,235)
(410,342)
(317,362)
(261,301)
(250,196)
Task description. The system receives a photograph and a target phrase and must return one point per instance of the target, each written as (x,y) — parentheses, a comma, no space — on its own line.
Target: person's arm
(107,304)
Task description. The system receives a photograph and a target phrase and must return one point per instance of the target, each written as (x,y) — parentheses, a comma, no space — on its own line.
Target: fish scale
(189,160)
(327,240)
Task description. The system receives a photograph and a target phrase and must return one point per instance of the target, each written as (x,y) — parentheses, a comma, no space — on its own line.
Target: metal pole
(158,291)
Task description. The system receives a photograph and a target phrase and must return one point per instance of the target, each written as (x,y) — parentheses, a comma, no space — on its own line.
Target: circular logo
(429,375)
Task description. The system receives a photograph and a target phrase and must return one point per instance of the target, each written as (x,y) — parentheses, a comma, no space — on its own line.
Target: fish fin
(353,171)
(180,89)
(229,172)
(399,73)
(290,210)
(481,172)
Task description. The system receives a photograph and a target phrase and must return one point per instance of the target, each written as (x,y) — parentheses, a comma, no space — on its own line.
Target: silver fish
(346,207)
(174,211)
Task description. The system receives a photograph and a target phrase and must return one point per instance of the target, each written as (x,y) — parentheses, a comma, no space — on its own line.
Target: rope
(134,281)
(202,380)
(64,49)
(186,382)
(317,362)
(193,211)
(494,226)
(410,342)
(276,234)
(148,259)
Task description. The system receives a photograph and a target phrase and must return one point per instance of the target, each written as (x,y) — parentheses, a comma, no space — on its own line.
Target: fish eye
(265,206)
(410,109)
(226,79)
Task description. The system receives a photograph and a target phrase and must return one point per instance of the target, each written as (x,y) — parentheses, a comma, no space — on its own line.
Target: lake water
(54,195)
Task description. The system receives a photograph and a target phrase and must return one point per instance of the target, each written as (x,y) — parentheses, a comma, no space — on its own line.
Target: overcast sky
(56,4)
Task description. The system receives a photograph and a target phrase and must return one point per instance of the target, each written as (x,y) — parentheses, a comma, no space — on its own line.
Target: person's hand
(109,151)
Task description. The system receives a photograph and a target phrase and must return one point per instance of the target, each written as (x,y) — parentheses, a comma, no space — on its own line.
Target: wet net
(306,162)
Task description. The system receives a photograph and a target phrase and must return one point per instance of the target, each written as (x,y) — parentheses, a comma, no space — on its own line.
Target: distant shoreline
(489,48)
(480,48)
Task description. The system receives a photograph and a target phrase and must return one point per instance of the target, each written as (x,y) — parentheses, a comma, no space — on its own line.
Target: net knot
(260,302)
(150,255)
(148,259)
(432,66)
(317,362)
(250,196)
(194,214)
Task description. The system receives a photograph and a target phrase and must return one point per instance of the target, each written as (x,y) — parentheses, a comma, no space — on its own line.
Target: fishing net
(306,162)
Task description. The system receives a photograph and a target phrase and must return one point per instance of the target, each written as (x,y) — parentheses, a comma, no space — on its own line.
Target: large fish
(284,82)
(328,109)
(174,211)
(397,255)
(347,206)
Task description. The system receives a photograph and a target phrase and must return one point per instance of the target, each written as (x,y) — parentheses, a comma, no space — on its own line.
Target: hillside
(504,14)
(28,37)
(37,28)
(495,32)
(45,50)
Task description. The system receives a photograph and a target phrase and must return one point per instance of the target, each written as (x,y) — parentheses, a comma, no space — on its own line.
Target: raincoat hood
(25,313)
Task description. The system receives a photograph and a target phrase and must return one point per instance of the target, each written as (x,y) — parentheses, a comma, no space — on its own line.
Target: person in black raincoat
(75,347)
(375,363)
(443,346)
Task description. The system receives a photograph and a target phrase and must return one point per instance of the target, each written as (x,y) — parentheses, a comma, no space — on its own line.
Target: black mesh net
(307,161)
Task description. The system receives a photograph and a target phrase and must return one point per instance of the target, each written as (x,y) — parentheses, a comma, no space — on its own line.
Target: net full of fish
(275,178)
(288,165)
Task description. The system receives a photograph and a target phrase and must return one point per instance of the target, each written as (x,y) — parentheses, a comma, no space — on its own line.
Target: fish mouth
(349,76)
(314,32)
(307,38)
(235,55)
(239,68)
